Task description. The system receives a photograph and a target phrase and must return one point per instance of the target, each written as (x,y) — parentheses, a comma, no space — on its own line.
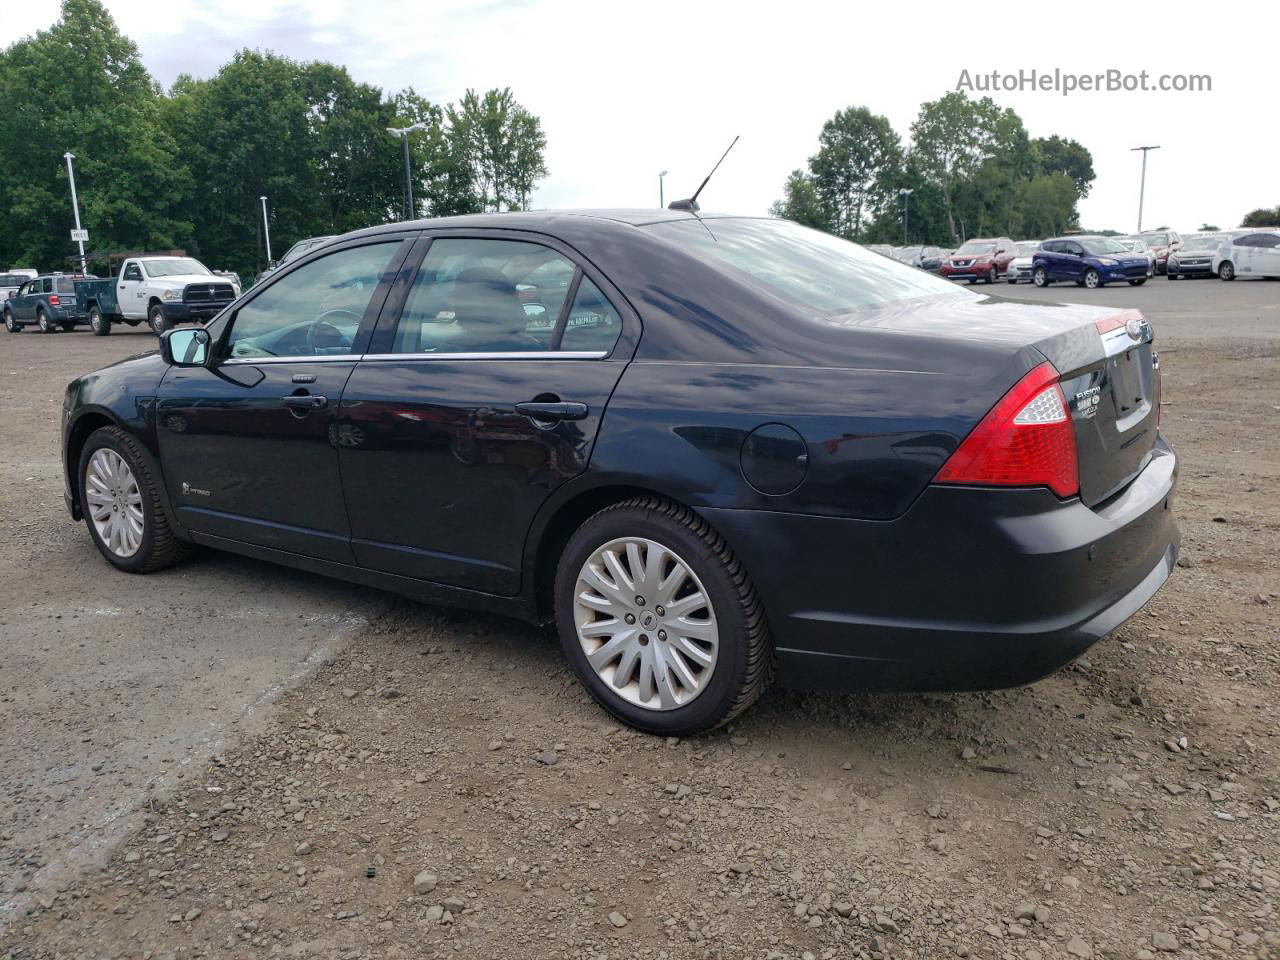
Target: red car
(986,260)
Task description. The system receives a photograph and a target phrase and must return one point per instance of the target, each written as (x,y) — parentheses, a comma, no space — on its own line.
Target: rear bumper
(971,589)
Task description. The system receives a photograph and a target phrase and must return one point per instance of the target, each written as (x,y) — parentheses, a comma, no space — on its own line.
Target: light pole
(403,134)
(266,230)
(75,207)
(1142,190)
(905,193)
(661,198)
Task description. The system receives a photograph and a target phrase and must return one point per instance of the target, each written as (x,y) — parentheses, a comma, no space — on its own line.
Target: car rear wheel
(1226,271)
(1092,279)
(99,324)
(121,504)
(659,619)
(1040,277)
(10,324)
(43,322)
(156,318)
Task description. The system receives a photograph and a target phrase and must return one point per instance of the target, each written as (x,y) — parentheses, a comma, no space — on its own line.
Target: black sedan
(710,449)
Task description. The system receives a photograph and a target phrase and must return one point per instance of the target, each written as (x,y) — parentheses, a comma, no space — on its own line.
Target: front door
(249,443)
(131,291)
(474,404)
(24,303)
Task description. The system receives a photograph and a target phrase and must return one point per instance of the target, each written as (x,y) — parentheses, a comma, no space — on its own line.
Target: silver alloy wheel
(115,502)
(1091,279)
(646,623)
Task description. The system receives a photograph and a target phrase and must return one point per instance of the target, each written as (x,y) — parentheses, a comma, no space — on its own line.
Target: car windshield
(1211,242)
(815,270)
(1157,239)
(175,267)
(1028,247)
(13,279)
(1099,246)
(974,247)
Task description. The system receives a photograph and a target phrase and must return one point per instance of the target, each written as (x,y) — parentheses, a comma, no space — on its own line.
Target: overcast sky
(625,90)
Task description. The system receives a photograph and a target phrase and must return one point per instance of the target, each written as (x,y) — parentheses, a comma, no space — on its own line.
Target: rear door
(249,444)
(481,394)
(1267,254)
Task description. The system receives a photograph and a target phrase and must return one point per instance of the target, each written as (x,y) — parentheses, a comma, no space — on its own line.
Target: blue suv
(1089,262)
(48,301)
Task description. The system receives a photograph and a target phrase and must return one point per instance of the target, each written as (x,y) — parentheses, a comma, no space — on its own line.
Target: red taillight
(53,300)
(1025,440)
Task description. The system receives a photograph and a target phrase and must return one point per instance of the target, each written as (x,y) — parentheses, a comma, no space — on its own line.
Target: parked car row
(160,290)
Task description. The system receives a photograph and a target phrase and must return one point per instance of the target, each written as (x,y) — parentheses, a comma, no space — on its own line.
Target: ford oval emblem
(1134,328)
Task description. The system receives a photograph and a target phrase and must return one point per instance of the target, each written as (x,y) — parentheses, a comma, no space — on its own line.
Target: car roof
(545,219)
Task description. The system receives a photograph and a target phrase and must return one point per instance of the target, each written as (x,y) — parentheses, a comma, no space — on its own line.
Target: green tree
(80,87)
(1048,204)
(501,144)
(800,203)
(1262,217)
(1057,154)
(951,138)
(857,154)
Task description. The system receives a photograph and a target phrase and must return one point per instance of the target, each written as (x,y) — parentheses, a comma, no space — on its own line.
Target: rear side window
(484,296)
(814,270)
(592,324)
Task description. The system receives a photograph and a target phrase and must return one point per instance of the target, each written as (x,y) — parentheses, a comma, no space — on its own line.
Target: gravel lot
(428,783)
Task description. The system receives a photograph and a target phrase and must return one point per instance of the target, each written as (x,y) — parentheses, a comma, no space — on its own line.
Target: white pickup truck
(162,290)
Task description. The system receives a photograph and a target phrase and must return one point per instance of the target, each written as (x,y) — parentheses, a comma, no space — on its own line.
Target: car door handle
(552,411)
(305,402)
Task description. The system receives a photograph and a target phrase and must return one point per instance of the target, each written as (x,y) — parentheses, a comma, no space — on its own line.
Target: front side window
(132,272)
(484,296)
(313,311)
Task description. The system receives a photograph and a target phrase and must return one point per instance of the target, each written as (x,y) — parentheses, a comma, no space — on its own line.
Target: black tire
(160,546)
(745,664)
(1137,283)
(1226,270)
(1171,276)
(43,322)
(992,274)
(10,324)
(156,319)
(68,326)
(1041,277)
(1012,281)
(1096,279)
(99,324)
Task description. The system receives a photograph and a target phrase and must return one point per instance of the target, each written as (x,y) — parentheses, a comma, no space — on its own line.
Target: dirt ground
(418,782)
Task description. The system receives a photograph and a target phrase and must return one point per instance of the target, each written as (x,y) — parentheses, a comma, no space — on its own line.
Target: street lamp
(266,230)
(75,206)
(403,134)
(905,193)
(661,199)
(1142,190)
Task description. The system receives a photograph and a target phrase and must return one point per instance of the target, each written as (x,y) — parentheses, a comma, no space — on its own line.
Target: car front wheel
(659,619)
(155,317)
(991,275)
(1092,280)
(121,504)
(1226,271)
(1040,277)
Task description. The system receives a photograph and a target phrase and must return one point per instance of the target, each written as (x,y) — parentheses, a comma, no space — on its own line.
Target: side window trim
(367,319)
(566,308)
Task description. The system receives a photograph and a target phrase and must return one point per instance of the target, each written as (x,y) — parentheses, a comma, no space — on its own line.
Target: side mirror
(185,347)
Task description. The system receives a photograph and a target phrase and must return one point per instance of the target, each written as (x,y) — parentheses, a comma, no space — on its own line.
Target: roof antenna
(692,203)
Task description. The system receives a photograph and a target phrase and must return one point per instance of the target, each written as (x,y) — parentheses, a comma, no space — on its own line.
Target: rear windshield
(65,285)
(815,270)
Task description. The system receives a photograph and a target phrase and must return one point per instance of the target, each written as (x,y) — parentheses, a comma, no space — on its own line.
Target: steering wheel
(321,323)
